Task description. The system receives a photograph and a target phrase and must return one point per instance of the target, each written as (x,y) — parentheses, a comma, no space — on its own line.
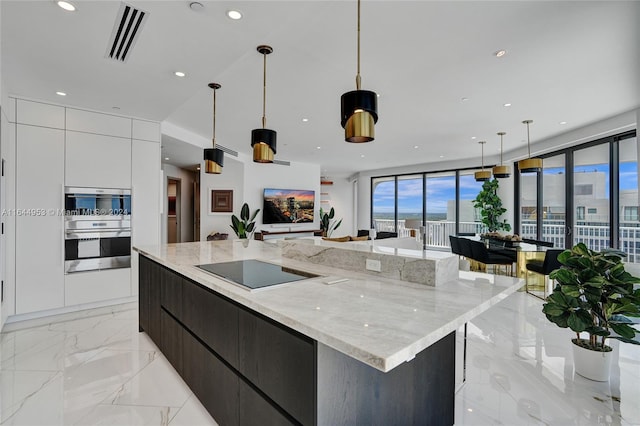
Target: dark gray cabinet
(213,319)
(248,369)
(281,363)
(215,385)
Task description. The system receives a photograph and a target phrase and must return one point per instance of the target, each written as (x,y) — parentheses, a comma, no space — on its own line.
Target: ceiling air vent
(125,32)
(282,162)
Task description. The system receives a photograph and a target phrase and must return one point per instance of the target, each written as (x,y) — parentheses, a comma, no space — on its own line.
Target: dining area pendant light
(263,141)
(359,108)
(482,175)
(529,165)
(213,157)
(501,171)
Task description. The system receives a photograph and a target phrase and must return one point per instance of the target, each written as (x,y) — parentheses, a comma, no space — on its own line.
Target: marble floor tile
(97,369)
(158,385)
(192,413)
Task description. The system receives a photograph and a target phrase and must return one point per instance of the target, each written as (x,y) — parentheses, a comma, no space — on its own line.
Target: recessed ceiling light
(305,120)
(507,104)
(500,53)
(179,74)
(234,14)
(378,94)
(442,156)
(67,6)
(197,168)
(416,147)
(464,99)
(196,6)
(473,137)
(318,147)
(61,94)
(166,158)
(362,156)
(562,123)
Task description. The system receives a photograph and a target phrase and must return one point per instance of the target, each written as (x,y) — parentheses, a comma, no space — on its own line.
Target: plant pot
(593,365)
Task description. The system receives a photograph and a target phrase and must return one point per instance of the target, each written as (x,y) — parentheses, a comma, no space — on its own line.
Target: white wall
(8,200)
(187,178)
(232,177)
(296,176)
(340,197)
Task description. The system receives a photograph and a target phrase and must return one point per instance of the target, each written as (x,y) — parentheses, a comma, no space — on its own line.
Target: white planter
(593,365)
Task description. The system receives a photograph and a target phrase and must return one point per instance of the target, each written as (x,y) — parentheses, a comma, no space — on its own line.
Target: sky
(442,188)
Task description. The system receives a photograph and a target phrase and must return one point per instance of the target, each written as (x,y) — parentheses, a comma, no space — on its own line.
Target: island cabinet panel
(281,363)
(153,328)
(144,288)
(215,385)
(171,340)
(213,319)
(171,286)
(256,411)
(419,392)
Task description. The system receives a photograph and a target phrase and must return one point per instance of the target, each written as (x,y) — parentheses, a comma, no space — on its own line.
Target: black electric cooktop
(255,274)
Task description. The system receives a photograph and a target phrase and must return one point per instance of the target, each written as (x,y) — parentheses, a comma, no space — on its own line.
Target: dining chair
(543,267)
(481,254)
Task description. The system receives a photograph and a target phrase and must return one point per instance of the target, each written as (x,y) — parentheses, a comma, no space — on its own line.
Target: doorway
(173,210)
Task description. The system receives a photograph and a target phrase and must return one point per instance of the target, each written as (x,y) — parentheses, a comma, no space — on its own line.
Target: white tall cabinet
(39,227)
(58,146)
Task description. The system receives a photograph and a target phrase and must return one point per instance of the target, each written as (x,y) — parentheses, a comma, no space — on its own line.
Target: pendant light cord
(264,92)
(358,72)
(214,118)
(528,141)
(501,163)
(482,146)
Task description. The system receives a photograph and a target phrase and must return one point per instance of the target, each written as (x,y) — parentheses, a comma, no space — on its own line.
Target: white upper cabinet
(97,161)
(145,203)
(146,130)
(39,114)
(102,124)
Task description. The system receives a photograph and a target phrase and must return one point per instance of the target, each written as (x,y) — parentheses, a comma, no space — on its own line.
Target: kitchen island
(342,348)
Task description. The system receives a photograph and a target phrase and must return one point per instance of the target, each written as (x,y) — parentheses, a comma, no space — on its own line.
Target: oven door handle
(104,233)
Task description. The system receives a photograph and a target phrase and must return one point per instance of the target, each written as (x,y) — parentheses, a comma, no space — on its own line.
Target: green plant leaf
(552,309)
(244,212)
(576,323)
(624,330)
(571,290)
(625,340)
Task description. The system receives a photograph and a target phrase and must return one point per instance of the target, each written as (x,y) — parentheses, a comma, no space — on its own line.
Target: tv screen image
(288,206)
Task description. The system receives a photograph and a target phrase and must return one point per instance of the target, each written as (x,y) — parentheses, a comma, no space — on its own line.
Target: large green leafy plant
(490,206)
(327,224)
(594,294)
(245,225)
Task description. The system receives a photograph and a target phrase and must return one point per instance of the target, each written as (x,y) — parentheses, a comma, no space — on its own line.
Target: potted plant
(244,226)
(490,206)
(326,224)
(595,295)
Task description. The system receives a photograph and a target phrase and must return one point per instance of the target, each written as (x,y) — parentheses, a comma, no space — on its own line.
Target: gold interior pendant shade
(501,171)
(263,141)
(213,157)
(529,165)
(483,174)
(359,108)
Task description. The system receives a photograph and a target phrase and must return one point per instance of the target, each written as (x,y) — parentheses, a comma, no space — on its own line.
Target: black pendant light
(263,140)
(483,174)
(214,157)
(529,165)
(359,108)
(501,171)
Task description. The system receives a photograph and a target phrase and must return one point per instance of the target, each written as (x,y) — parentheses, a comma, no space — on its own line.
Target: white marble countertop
(380,321)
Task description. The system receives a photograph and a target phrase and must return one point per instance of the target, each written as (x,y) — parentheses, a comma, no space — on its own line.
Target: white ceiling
(573,61)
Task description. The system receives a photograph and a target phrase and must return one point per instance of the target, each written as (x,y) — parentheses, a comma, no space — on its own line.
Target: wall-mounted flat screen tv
(287,206)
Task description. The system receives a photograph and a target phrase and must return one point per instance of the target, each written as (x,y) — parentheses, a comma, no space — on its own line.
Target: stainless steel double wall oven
(97,229)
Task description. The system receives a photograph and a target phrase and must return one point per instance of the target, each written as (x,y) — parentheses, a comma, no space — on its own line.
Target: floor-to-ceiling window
(629,223)
(403,203)
(586,193)
(410,196)
(591,176)
(383,203)
(553,200)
